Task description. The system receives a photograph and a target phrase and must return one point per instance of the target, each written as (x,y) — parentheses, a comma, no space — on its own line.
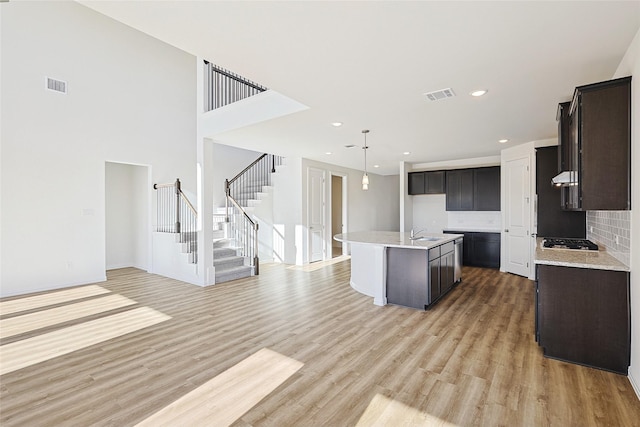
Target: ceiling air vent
(440,94)
(56,85)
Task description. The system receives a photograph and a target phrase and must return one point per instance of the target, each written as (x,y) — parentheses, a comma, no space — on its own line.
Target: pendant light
(365,177)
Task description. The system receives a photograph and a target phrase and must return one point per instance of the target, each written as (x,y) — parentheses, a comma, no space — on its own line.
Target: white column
(204,157)
(406,202)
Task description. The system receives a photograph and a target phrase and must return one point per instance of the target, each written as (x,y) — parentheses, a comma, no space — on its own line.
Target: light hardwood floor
(341,361)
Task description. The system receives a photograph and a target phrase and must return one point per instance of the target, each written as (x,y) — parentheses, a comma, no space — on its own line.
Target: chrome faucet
(414,235)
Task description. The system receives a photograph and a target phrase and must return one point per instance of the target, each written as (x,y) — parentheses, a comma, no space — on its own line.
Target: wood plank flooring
(470,361)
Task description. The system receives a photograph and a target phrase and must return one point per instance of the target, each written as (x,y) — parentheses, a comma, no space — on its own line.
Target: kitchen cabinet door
(605,146)
(600,147)
(486,189)
(416,183)
(486,250)
(426,182)
(434,182)
(446,271)
(434,280)
(583,316)
(459,186)
(407,277)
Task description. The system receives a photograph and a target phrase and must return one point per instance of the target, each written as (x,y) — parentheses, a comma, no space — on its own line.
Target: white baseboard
(635,385)
(120,265)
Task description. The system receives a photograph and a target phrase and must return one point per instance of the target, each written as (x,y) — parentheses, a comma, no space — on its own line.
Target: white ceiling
(367,64)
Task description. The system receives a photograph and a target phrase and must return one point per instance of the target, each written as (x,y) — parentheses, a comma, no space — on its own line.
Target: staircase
(176,215)
(235,253)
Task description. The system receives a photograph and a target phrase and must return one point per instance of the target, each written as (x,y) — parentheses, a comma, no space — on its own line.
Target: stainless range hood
(565,178)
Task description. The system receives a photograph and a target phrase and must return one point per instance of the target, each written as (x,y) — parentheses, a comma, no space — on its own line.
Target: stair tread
(232,260)
(234,269)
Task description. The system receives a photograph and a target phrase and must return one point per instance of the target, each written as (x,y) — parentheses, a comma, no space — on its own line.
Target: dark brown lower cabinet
(418,278)
(480,249)
(583,316)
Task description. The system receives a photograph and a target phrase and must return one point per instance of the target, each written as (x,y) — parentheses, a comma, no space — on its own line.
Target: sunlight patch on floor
(319,264)
(53,316)
(27,352)
(50,298)
(384,411)
(225,398)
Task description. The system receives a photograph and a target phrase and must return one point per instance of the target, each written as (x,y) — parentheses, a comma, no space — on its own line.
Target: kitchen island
(393,267)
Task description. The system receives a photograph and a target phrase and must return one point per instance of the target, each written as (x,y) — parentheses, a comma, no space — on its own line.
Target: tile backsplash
(475,220)
(604,226)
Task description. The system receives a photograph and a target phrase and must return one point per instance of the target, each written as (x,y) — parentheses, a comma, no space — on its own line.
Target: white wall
(630,66)
(429,211)
(375,209)
(287,213)
(131,99)
(228,162)
(126,216)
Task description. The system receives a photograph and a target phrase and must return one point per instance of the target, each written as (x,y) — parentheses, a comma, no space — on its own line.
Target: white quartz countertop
(396,239)
(474,229)
(597,260)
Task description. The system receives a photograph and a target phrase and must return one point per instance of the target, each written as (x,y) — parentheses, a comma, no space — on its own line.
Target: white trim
(344,213)
(634,384)
(324,215)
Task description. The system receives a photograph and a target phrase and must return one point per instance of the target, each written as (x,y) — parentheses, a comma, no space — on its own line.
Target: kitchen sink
(427,238)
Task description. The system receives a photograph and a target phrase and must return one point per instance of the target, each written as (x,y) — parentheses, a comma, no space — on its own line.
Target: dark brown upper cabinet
(473,189)
(486,189)
(460,190)
(598,147)
(426,182)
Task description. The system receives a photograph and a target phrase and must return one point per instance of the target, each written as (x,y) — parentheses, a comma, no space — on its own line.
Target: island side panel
(368,271)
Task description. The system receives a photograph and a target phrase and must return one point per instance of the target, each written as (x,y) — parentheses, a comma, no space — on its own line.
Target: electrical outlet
(591,229)
(617,238)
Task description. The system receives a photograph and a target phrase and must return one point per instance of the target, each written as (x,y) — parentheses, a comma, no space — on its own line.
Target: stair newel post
(256,260)
(178,190)
(227,192)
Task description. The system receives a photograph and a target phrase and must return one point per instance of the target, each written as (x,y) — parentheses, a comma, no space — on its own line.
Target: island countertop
(397,239)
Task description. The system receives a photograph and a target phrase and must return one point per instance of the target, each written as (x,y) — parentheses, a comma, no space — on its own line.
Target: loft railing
(222,87)
(239,190)
(175,214)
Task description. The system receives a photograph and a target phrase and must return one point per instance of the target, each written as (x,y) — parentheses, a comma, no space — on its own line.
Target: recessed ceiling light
(502,141)
(376,166)
(478,92)
(336,124)
(406,153)
(349,146)
(328,153)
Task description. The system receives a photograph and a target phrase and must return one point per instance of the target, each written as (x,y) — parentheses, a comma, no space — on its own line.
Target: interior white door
(518,216)
(316,215)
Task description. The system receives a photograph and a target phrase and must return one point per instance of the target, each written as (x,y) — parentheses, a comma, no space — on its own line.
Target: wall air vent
(56,85)
(440,94)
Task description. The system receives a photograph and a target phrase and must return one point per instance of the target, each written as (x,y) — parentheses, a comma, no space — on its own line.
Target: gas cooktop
(566,243)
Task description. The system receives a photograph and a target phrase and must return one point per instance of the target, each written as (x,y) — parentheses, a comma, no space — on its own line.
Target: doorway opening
(338,213)
(127,202)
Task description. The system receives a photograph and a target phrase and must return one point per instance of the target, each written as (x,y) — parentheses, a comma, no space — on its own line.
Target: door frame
(148,229)
(521,151)
(324,214)
(345,227)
